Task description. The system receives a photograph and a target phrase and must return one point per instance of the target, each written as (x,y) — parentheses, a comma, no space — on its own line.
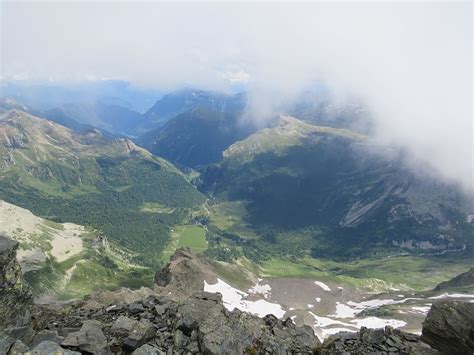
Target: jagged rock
(64,332)
(147,350)
(15,295)
(25,334)
(90,338)
(18,348)
(6,343)
(124,324)
(50,347)
(184,274)
(449,327)
(142,332)
(220,331)
(377,341)
(136,308)
(200,323)
(47,335)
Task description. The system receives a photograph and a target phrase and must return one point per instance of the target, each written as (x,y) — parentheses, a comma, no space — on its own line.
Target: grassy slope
(90,180)
(191,236)
(407,272)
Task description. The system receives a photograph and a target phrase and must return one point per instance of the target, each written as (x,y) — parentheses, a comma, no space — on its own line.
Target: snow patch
(233,298)
(322,285)
(423,310)
(452,295)
(323,322)
(262,289)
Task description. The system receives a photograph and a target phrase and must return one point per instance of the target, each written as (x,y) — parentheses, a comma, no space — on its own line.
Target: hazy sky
(411,62)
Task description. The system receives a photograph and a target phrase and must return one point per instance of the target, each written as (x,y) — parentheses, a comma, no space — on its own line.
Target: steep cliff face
(15,295)
(184,274)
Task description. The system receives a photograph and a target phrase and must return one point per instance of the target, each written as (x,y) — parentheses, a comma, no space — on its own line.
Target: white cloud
(411,61)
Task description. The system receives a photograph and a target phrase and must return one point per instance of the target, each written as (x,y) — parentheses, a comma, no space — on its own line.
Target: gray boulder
(25,334)
(88,339)
(6,343)
(219,331)
(147,350)
(141,333)
(50,347)
(47,335)
(449,327)
(18,348)
(123,325)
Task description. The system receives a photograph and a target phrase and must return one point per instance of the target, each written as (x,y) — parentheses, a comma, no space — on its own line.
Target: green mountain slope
(90,180)
(197,137)
(181,101)
(327,189)
(115,119)
(58,259)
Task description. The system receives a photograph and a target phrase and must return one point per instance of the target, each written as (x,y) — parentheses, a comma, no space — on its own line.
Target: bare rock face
(178,280)
(159,325)
(449,327)
(184,274)
(15,295)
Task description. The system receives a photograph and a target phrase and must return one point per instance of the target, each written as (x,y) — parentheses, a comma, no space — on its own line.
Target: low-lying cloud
(410,62)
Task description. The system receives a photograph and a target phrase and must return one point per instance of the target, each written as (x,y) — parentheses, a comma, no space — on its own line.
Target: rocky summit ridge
(152,322)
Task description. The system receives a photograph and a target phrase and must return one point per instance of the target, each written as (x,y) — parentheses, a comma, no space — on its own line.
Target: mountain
(7,103)
(56,115)
(42,96)
(93,181)
(181,101)
(109,118)
(320,109)
(197,137)
(336,195)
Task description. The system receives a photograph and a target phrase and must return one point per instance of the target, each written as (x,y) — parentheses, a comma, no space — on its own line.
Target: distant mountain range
(49,95)
(115,119)
(317,176)
(197,137)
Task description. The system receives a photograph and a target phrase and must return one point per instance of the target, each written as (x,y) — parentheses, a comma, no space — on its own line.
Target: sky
(410,62)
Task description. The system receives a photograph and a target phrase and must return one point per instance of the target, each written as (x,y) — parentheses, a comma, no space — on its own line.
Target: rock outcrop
(196,322)
(449,327)
(15,295)
(184,274)
(159,325)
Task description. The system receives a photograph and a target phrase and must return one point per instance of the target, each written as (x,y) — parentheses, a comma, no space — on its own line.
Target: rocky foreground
(198,323)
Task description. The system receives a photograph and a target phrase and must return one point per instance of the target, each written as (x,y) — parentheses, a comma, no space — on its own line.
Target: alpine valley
(123,212)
